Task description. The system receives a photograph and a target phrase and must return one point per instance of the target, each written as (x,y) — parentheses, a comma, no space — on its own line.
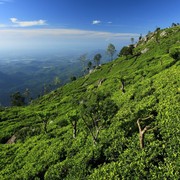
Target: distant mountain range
(33,74)
(20,73)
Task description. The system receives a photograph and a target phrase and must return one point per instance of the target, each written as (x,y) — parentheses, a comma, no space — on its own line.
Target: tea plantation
(122,121)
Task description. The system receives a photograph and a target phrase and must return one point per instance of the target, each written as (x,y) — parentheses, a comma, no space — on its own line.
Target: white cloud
(5,1)
(64,39)
(66,33)
(96,22)
(27,23)
(109,22)
(2,26)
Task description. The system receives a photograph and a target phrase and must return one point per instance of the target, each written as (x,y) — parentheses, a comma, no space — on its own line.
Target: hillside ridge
(118,122)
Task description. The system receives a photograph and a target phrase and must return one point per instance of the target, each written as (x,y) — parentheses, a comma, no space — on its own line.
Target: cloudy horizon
(68,24)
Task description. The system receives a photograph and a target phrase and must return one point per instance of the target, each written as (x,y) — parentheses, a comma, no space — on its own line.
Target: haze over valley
(37,71)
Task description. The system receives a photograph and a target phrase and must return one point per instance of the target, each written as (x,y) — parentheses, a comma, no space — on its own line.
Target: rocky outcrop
(12,140)
(101,81)
(144,50)
(163,34)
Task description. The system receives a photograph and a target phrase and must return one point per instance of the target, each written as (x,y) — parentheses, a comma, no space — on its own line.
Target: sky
(80,25)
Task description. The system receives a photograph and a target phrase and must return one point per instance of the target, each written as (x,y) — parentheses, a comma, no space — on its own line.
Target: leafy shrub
(175,53)
(63,123)
(73,78)
(126,50)
(57,171)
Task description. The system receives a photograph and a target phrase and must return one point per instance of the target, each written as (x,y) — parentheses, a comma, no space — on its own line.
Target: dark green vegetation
(120,122)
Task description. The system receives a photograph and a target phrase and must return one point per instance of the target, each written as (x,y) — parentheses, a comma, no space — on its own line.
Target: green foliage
(132,40)
(17,99)
(83,59)
(73,78)
(97,59)
(111,50)
(97,112)
(57,81)
(175,53)
(89,65)
(126,50)
(55,132)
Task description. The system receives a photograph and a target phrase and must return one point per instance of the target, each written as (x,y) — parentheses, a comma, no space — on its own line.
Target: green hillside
(122,121)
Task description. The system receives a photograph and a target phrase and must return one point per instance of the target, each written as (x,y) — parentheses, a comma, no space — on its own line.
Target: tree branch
(142,132)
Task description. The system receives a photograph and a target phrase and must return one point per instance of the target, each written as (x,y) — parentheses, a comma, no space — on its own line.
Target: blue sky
(63,25)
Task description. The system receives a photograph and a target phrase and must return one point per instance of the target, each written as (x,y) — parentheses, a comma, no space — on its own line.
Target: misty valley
(40,74)
(35,74)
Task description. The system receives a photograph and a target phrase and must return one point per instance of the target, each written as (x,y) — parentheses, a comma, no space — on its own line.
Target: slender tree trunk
(111,57)
(123,86)
(45,126)
(74,129)
(93,134)
(161,62)
(141,134)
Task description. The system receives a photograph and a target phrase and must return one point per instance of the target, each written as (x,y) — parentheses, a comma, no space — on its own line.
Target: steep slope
(89,129)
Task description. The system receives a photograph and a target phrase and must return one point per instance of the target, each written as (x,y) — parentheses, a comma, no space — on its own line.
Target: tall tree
(57,81)
(132,40)
(111,50)
(73,78)
(27,95)
(97,59)
(96,112)
(44,117)
(140,37)
(89,65)
(83,59)
(46,88)
(17,99)
(73,118)
(142,131)
(126,50)
(173,25)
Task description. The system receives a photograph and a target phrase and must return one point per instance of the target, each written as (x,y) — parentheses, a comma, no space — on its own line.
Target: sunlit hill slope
(122,121)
